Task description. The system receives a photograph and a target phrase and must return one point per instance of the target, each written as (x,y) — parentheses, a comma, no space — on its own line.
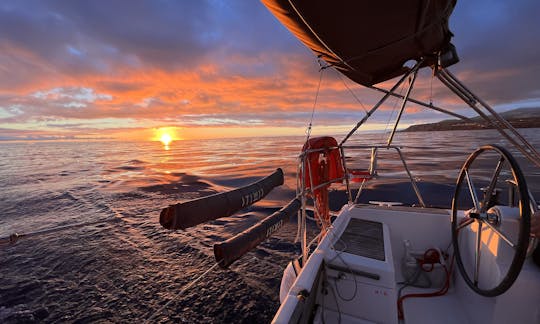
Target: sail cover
(369,41)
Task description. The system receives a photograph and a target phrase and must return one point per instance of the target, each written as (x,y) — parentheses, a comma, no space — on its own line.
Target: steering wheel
(481,221)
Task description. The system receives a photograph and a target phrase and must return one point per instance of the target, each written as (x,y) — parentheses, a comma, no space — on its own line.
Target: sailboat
(387,262)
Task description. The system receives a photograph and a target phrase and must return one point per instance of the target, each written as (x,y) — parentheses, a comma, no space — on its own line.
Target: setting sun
(166,135)
(166,139)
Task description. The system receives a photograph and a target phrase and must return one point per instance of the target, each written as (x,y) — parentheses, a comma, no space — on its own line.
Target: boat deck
(362,265)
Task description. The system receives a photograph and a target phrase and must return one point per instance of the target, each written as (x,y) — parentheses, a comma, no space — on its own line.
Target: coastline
(458,125)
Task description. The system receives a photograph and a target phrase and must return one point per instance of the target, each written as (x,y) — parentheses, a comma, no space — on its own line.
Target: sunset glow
(166,139)
(166,135)
(62,78)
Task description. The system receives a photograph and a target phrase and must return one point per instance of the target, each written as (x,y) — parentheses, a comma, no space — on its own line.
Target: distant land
(519,118)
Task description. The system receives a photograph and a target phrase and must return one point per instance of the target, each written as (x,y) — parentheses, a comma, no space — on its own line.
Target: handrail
(346,176)
(403,105)
(369,146)
(413,183)
(420,103)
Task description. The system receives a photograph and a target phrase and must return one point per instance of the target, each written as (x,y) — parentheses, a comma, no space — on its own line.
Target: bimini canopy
(369,41)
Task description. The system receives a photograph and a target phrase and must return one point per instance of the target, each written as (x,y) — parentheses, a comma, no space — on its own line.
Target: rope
(359,191)
(301,219)
(350,90)
(116,216)
(392,113)
(321,70)
(431,90)
(317,35)
(338,255)
(13,238)
(187,287)
(442,291)
(196,280)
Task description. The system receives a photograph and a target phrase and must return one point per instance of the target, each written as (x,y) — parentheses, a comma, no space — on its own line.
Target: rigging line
(338,255)
(359,191)
(199,250)
(431,90)
(194,281)
(423,104)
(308,131)
(13,238)
(393,111)
(299,187)
(188,286)
(302,216)
(317,36)
(337,303)
(350,90)
(380,102)
(403,106)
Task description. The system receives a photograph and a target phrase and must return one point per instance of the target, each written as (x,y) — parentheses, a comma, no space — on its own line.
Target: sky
(133,70)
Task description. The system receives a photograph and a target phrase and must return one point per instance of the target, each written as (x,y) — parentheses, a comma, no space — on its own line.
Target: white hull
(336,286)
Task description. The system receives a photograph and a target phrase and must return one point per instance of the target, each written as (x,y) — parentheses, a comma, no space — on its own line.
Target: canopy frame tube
(490,116)
(381,101)
(423,104)
(403,104)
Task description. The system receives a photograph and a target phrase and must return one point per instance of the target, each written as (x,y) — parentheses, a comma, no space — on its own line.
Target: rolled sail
(369,41)
(234,248)
(198,211)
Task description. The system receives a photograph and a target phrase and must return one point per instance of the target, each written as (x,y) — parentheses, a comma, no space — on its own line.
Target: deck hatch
(363,238)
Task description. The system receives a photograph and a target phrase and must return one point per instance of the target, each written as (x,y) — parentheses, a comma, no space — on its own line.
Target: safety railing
(370,173)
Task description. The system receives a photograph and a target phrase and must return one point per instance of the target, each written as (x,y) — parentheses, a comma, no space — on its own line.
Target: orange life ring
(322,166)
(325,165)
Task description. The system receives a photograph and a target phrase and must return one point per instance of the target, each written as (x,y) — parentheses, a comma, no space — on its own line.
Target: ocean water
(125,267)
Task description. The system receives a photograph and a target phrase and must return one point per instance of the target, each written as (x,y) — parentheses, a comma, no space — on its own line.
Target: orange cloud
(270,89)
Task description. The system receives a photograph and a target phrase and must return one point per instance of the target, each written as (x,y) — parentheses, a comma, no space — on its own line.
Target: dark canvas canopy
(368,41)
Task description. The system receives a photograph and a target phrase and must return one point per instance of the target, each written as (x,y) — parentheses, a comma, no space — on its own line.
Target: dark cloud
(223,63)
(102,35)
(499,46)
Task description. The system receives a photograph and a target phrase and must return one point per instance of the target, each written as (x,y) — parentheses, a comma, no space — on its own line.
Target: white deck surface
(376,300)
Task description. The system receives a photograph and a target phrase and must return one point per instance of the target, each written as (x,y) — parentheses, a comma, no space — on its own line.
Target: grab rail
(372,168)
